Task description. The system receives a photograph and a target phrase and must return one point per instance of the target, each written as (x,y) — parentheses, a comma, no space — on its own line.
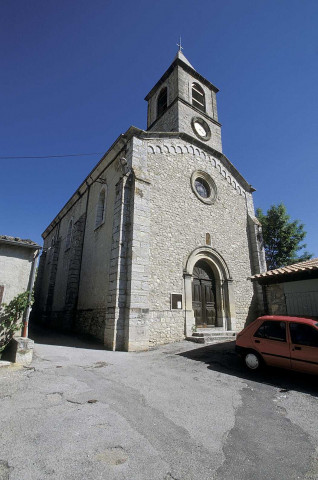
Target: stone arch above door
(224,288)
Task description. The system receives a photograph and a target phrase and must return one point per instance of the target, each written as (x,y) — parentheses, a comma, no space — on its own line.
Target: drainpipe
(30,288)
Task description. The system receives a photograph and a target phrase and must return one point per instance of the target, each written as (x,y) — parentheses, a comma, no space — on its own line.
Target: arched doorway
(206,273)
(204,295)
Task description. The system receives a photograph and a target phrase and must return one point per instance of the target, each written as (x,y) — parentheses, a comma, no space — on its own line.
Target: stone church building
(160,239)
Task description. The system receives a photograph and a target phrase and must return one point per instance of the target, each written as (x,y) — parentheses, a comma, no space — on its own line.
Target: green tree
(282,237)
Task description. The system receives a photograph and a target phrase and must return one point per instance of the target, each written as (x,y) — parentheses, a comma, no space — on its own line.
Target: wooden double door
(203,295)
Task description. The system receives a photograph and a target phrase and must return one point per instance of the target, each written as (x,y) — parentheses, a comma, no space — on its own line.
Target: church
(160,240)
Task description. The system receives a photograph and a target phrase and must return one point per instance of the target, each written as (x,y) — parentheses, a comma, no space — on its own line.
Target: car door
(304,347)
(270,340)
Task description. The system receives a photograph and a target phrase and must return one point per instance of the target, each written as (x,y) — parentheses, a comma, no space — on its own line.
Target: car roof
(286,318)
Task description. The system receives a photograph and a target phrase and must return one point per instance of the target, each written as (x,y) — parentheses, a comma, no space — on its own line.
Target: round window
(203,186)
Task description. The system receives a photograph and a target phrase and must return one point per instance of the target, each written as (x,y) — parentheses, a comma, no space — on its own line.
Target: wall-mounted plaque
(176,301)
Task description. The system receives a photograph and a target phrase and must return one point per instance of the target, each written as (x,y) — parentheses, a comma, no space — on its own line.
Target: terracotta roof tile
(307,266)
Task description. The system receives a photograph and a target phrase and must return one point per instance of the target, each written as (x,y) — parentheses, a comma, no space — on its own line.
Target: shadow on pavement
(222,358)
(48,336)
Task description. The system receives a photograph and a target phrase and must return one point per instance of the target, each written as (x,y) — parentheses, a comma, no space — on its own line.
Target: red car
(280,341)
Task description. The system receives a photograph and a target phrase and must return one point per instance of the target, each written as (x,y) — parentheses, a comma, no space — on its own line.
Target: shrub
(11,316)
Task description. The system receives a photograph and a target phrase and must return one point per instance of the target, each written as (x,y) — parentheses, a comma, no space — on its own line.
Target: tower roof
(181,60)
(181,57)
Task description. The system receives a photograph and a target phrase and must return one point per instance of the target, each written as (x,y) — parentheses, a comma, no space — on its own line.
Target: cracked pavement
(178,412)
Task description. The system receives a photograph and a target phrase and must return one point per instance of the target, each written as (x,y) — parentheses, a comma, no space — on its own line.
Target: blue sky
(74,74)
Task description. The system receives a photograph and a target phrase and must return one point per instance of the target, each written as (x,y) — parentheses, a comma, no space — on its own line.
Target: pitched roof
(181,57)
(307,266)
(181,60)
(19,242)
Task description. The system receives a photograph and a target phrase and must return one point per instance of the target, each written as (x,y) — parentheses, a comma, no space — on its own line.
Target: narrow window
(162,101)
(198,99)
(69,235)
(100,210)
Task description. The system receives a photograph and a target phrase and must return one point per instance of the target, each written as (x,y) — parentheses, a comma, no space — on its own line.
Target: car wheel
(252,361)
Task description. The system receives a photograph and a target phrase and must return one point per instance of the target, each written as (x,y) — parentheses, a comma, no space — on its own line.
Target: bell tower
(184,101)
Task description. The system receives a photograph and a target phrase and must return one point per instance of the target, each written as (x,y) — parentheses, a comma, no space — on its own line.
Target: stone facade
(115,278)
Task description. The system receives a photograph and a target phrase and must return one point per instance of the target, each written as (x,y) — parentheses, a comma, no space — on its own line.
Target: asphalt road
(179,412)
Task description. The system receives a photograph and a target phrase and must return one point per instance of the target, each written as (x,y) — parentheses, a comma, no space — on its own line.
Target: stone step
(215,333)
(212,336)
(196,339)
(210,340)
(209,329)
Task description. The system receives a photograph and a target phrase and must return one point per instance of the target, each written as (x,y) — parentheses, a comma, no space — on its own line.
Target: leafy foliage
(282,237)
(11,317)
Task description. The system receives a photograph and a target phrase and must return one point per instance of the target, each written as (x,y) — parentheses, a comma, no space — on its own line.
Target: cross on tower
(179,45)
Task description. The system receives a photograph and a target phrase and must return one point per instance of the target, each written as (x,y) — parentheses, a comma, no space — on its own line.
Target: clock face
(200,129)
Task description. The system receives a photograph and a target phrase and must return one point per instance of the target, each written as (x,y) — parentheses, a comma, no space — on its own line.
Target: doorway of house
(203,295)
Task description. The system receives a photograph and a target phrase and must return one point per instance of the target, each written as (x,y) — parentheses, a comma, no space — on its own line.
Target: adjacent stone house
(17,266)
(291,290)
(160,238)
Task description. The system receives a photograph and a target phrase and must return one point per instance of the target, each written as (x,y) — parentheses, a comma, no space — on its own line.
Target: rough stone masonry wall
(138,258)
(166,326)
(96,258)
(179,223)
(68,251)
(185,81)
(115,332)
(187,111)
(168,121)
(57,282)
(276,299)
(74,271)
(171,83)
